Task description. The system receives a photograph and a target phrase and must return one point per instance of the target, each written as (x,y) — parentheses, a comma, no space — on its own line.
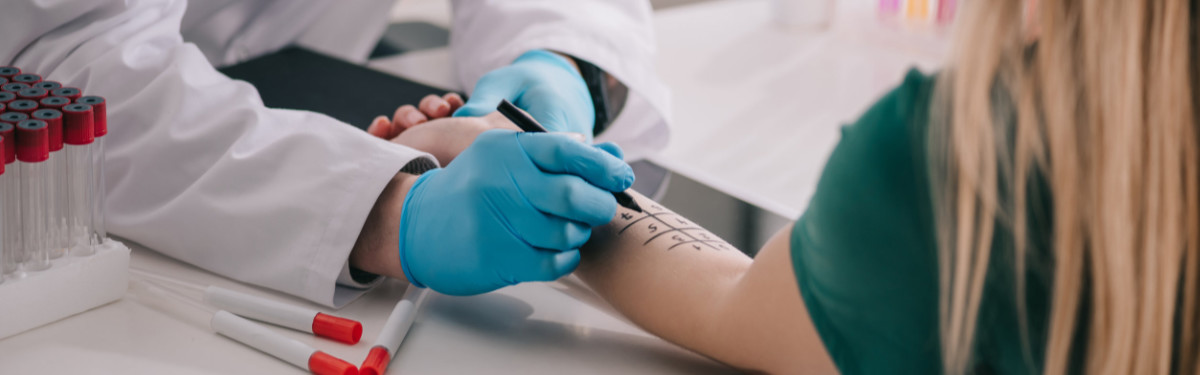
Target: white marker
(291,351)
(393,333)
(285,315)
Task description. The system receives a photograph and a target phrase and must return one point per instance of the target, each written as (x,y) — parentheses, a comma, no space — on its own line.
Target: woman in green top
(1035,209)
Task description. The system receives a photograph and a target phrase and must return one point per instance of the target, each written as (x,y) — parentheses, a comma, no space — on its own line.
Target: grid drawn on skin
(704,237)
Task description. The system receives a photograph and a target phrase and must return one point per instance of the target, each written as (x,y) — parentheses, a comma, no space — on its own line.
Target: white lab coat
(200,170)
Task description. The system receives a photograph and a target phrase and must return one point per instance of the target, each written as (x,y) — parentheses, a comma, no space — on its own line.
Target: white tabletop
(757,109)
(527,329)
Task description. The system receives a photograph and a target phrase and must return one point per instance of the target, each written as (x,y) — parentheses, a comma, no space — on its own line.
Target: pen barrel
(258,337)
(397,326)
(264,310)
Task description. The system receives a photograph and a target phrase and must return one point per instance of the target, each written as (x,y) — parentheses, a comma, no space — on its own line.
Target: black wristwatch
(598,87)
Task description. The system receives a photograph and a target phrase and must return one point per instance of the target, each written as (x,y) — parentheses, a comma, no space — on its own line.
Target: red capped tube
(14,87)
(53,102)
(47,85)
(33,141)
(7,97)
(9,71)
(8,131)
(53,119)
(99,113)
(25,106)
(33,93)
(77,124)
(67,92)
(26,78)
(33,149)
(13,118)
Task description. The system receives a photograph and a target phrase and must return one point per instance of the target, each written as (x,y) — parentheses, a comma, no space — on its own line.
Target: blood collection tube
(10,189)
(99,192)
(33,150)
(48,85)
(7,97)
(393,333)
(67,92)
(14,87)
(33,93)
(26,78)
(291,351)
(3,220)
(9,71)
(78,135)
(285,315)
(13,118)
(53,102)
(25,106)
(60,237)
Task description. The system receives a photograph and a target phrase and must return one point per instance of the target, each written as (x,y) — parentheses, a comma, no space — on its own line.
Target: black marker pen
(529,125)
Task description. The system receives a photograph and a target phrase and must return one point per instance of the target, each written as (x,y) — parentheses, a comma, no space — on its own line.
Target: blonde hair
(1103,94)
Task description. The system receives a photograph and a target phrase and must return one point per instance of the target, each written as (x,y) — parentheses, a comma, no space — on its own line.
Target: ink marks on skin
(665,226)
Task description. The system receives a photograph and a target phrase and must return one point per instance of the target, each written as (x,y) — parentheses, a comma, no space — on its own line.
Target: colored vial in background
(78,134)
(99,193)
(10,191)
(889,7)
(33,150)
(60,237)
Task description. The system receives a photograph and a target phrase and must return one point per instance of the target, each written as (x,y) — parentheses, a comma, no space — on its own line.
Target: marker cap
(338,329)
(33,93)
(324,364)
(77,124)
(53,102)
(67,92)
(25,106)
(9,71)
(99,113)
(53,119)
(8,131)
(33,141)
(6,96)
(376,362)
(48,85)
(14,87)
(26,78)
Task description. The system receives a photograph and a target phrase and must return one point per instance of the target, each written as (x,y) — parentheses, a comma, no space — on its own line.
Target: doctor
(200,170)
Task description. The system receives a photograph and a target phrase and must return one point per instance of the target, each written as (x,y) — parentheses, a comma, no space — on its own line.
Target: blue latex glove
(542,83)
(513,207)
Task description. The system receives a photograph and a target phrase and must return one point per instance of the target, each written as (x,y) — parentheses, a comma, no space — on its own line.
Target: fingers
(381,127)
(406,116)
(553,265)
(490,89)
(557,154)
(612,149)
(454,100)
(571,198)
(549,232)
(434,107)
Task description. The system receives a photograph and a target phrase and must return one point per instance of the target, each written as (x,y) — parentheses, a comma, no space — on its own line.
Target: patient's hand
(429,127)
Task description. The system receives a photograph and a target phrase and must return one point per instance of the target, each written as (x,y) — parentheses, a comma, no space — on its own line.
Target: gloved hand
(542,83)
(513,207)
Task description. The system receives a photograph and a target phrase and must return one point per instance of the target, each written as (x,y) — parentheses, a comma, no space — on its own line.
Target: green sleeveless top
(865,255)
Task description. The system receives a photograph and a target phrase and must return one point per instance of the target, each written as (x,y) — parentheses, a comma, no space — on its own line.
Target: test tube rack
(70,286)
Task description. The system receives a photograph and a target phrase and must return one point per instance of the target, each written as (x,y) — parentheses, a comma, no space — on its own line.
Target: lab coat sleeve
(616,35)
(197,167)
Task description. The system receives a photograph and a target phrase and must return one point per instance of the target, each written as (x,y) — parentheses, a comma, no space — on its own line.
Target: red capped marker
(393,333)
(285,315)
(291,351)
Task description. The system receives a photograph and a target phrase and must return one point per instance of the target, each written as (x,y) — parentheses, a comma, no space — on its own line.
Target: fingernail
(442,107)
(629,178)
(415,118)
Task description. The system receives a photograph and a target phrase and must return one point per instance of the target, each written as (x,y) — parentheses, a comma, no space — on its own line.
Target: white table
(527,329)
(757,109)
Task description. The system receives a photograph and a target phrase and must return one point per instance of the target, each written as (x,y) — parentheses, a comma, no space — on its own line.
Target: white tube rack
(70,286)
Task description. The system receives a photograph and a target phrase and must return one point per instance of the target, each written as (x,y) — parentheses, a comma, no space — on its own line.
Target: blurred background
(760,89)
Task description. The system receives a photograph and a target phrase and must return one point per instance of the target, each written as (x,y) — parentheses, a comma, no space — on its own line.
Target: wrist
(376,250)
